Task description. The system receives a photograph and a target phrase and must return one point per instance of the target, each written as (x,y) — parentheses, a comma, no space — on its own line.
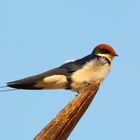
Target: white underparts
(53,82)
(91,72)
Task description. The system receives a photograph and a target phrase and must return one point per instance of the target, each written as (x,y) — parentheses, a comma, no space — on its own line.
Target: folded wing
(38,81)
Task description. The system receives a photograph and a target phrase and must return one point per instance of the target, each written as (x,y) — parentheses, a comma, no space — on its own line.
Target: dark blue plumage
(71,75)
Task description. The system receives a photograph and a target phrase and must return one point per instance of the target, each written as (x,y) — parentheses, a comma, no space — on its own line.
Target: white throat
(108,56)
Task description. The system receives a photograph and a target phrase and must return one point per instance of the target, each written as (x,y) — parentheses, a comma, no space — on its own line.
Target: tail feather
(26,83)
(16,85)
(5,88)
(29,86)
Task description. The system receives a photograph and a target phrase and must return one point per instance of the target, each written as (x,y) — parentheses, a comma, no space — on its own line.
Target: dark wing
(78,64)
(67,69)
(29,82)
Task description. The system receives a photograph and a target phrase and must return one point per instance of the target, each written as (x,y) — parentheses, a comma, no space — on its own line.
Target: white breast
(91,72)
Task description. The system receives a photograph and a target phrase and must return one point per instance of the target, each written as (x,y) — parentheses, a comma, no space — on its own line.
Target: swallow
(73,74)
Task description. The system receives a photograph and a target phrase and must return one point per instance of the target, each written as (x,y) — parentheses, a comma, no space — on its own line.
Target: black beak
(116,55)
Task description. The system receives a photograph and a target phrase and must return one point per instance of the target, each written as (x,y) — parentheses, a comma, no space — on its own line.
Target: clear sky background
(36,36)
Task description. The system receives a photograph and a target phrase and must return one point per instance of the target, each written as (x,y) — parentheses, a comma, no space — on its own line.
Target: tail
(16,86)
(28,83)
(19,84)
(5,89)
(22,85)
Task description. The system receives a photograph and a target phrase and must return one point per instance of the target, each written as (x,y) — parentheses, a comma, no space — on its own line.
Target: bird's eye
(105,51)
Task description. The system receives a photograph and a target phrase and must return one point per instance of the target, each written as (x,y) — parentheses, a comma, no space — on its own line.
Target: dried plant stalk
(63,124)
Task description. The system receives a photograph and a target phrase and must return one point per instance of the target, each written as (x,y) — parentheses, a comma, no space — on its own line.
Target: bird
(72,74)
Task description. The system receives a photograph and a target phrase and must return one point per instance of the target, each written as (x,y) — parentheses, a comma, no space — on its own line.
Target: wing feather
(67,69)
(29,82)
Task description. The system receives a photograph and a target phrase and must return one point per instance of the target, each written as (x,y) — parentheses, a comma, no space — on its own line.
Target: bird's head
(104,50)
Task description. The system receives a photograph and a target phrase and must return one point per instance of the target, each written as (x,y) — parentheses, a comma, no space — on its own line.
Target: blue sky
(39,35)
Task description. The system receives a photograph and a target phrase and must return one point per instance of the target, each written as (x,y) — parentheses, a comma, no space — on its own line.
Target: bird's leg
(84,84)
(77,93)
